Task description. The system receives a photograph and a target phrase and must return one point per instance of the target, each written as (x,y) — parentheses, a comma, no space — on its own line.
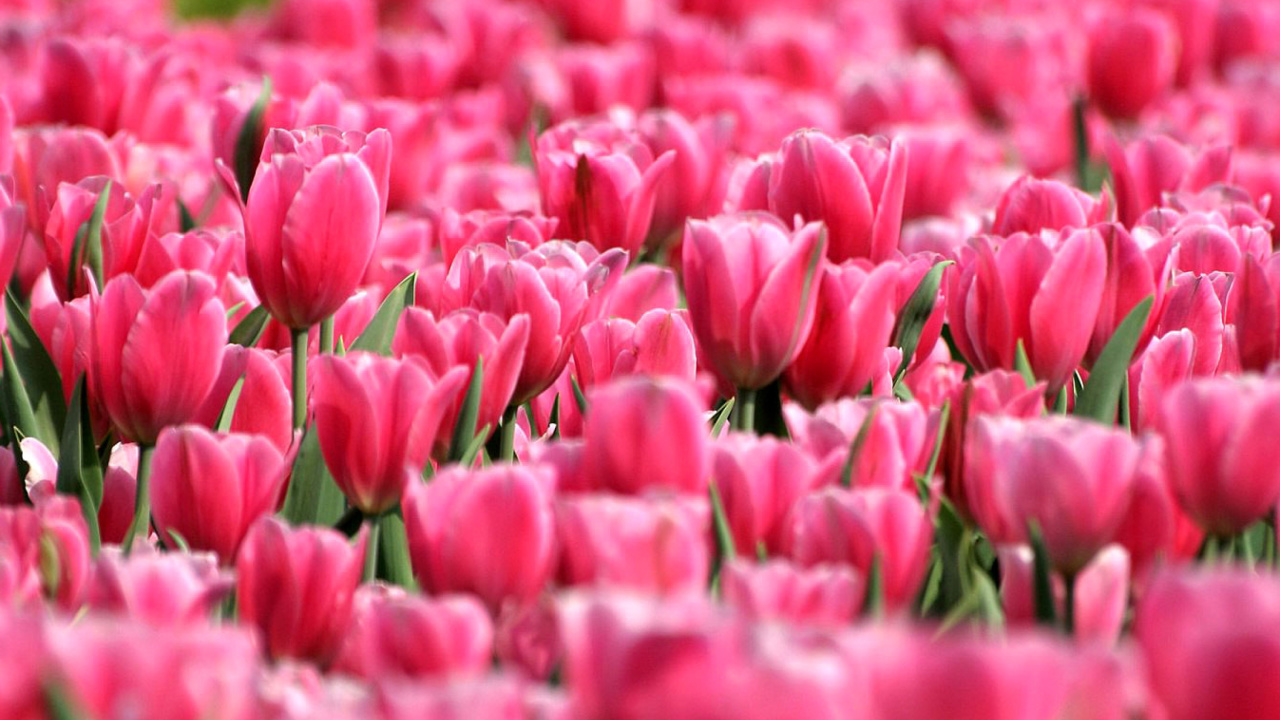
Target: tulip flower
(1150,166)
(759,480)
(854,187)
(632,416)
(296,586)
(825,595)
(659,344)
(752,292)
(210,488)
(161,590)
(488,532)
(655,545)
(896,445)
(398,635)
(853,324)
(1043,290)
(376,419)
(1030,205)
(263,406)
(1133,54)
(1101,596)
(1219,469)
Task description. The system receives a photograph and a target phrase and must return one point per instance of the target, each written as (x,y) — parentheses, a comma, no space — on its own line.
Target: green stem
(141,525)
(299,378)
(326,335)
(1069,612)
(744,411)
(507,450)
(371,549)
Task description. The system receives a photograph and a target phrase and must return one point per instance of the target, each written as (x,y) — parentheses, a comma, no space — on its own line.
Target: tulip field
(639,359)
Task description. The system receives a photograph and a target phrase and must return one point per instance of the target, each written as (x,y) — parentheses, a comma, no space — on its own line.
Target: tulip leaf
(394,550)
(721,417)
(553,420)
(944,416)
(179,541)
(250,328)
(725,549)
(18,410)
(855,447)
(464,430)
(39,375)
(79,469)
(873,601)
(953,555)
(988,601)
(1022,364)
(229,407)
(578,396)
(1101,395)
(313,497)
(477,443)
(249,142)
(915,314)
(86,249)
(186,221)
(1041,583)
(58,703)
(377,335)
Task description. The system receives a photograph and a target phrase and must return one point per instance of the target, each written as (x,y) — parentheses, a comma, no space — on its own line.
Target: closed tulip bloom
(855,187)
(44,550)
(1150,166)
(659,344)
(628,419)
(1255,306)
(312,219)
(263,406)
(1044,290)
(655,545)
(1101,594)
(1131,277)
(1030,205)
(691,186)
(1219,465)
(210,488)
(759,479)
(489,532)
(400,635)
(853,323)
(1133,55)
(752,291)
(296,586)
(860,527)
(377,419)
(897,443)
(643,288)
(1073,478)
(1209,643)
(155,354)
(826,595)
(461,339)
(161,590)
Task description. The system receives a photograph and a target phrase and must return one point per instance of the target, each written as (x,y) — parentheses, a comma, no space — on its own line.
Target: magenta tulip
(824,595)
(161,590)
(1133,55)
(660,343)
(398,635)
(759,480)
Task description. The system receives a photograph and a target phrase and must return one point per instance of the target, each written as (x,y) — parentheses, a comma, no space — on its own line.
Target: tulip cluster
(637,359)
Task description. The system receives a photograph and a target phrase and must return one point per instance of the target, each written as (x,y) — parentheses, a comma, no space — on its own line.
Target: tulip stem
(299,378)
(507,449)
(1069,611)
(744,410)
(371,549)
(326,335)
(141,525)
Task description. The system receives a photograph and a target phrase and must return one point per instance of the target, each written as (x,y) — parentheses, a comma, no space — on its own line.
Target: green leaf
(229,407)
(313,497)
(1042,586)
(247,332)
(394,550)
(1101,394)
(87,247)
(186,221)
(578,396)
(855,447)
(79,471)
(464,431)
(725,549)
(989,606)
(944,416)
(873,602)
(39,375)
(18,408)
(914,314)
(553,420)
(59,703)
(179,541)
(469,455)
(381,329)
(249,141)
(721,417)
(1022,364)
(953,555)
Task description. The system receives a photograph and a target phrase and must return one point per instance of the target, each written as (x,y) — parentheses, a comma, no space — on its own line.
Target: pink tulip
(119,494)
(296,587)
(160,590)
(1149,167)
(202,250)
(1136,38)
(855,187)
(210,488)
(1073,478)
(643,288)
(377,419)
(462,338)
(312,219)
(759,480)
(1101,593)
(399,635)
(692,185)
(825,595)
(897,443)
(1218,468)
(46,157)
(264,405)
(231,108)
(24,660)
(494,697)
(654,545)
(659,344)
(632,416)
(597,78)
(45,550)
(456,231)
(1203,662)
(1130,278)
(856,310)
(752,295)
(1044,290)
(862,527)
(1255,306)
(1030,205)
(489,532)
(154,354)
(1155,531)
(600,183)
